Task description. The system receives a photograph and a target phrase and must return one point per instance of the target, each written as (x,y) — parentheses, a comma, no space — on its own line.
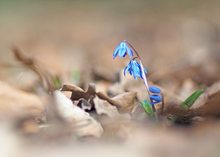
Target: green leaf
(191,99)
(148,108)
(57,82)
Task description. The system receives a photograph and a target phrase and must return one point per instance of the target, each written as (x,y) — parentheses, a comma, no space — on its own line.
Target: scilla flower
(134,69)
(122,50)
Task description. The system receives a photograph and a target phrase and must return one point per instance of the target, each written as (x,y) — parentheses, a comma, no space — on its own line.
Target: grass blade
(148,108)
(191,99)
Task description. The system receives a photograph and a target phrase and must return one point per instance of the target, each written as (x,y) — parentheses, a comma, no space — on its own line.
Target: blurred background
(81,35)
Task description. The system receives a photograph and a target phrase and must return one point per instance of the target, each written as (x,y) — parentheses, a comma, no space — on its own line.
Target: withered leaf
(78,93)
(80,121)
(209,103)
(103,107)
(125,102)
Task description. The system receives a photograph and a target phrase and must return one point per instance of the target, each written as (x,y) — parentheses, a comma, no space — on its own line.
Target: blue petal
(125,54)
(126,69)
(154,102)
(129,51)
(133,68)
(130,71)
(116,52)
(141,73)
(136,68)
(122,52)
(156,98)
(154,89)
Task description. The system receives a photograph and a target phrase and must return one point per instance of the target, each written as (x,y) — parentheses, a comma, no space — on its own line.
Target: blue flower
(134,69)
(122,50)
(156,96)
(154,89)
(155,99)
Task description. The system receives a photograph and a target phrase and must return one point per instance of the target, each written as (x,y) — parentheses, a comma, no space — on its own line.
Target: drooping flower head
(134,69)
(122,50)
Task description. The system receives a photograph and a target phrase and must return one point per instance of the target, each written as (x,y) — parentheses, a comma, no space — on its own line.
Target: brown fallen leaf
(84,98)
(81,122)
(125,102)
(78,93)
(206,105)
(103,107)
(209,102)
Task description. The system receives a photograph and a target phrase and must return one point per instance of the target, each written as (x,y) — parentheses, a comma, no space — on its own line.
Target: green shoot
(191,99)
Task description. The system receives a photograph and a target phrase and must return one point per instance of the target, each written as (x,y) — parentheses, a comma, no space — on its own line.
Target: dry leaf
(84,98)
(206,105)
(78,93)
(104,108)
(126,101)
(83,124)
(215,88)
(14,102)
(209,102)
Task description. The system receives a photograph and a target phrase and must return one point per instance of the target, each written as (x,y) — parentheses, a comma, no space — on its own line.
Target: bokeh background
(81,35)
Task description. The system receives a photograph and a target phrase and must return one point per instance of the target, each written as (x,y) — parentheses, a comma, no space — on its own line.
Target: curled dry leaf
(125,102)
(84,98)
(78,93)
(82,123)
(103,107)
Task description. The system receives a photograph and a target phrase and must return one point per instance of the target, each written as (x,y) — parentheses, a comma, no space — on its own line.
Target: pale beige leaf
(82,123)
(126,101)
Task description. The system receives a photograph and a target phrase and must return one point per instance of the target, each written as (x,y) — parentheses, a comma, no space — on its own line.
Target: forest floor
(63,94)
